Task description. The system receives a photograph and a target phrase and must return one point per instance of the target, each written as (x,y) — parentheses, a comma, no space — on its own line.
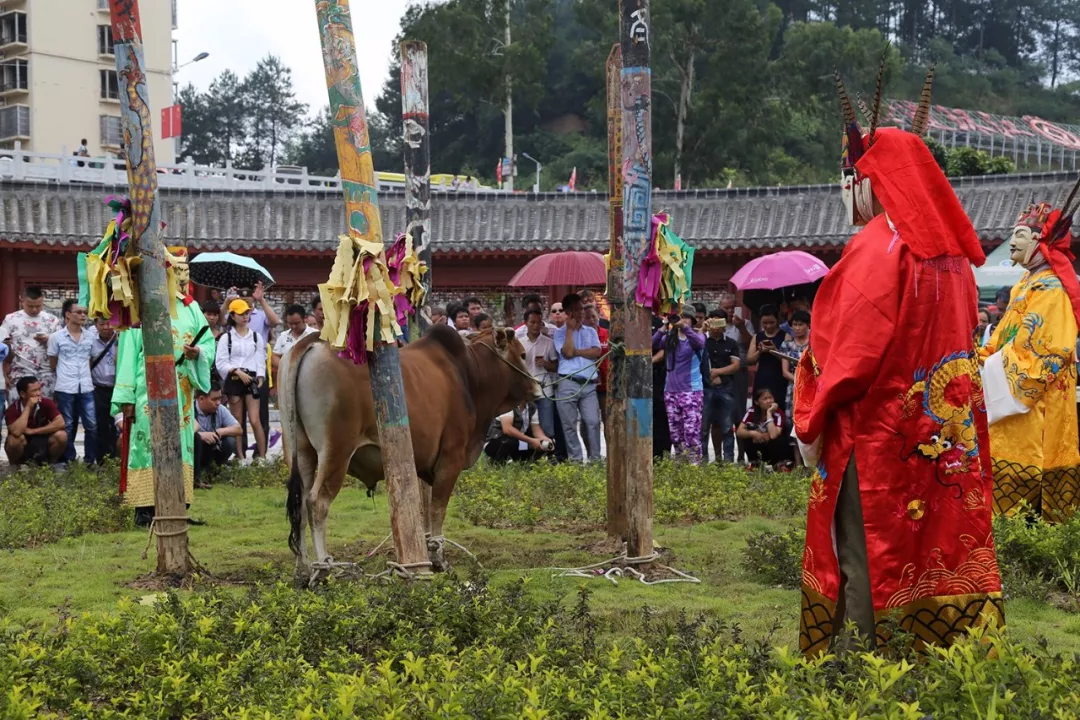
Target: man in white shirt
(28,331)
(542,361)
(69,357)
(578,346)
(530,303)
(517,435)
(297,330)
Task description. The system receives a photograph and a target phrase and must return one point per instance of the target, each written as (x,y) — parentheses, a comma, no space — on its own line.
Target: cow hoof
(436,555)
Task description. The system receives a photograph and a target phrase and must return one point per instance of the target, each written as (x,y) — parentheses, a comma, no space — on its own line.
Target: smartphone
(738,311)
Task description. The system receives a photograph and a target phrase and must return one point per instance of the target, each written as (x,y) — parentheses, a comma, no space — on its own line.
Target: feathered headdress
(853,144)
(1054,228)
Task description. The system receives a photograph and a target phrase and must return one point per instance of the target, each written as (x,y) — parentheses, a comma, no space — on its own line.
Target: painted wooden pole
(417,144)
(616,295)
(154,301)
(358,183)
(637,225)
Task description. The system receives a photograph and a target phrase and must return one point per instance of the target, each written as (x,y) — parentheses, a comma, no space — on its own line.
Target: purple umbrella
(782,269)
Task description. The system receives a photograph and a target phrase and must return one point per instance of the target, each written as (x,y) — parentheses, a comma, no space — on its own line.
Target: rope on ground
(594,571)
(405,570)
(443,539)
(379,546)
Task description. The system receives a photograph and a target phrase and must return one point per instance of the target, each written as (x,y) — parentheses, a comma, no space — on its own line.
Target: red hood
(917,198)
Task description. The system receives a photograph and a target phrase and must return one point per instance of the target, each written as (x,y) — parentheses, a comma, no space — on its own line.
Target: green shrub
(520,495)
(41,505)
(259,474)
(272,473)
(1037,557)
(775,558)
(453,649)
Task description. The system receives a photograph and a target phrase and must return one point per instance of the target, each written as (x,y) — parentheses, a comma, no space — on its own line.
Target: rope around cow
(613,347)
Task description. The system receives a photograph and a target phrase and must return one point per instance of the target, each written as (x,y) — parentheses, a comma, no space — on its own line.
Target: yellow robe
(1035,454)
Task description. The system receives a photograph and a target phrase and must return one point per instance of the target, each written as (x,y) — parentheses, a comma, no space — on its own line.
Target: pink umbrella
(782,269)
(574,268)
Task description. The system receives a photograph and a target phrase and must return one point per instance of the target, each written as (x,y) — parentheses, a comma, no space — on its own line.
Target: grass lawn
(244,542)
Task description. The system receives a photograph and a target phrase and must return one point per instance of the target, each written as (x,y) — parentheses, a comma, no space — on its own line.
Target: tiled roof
(741,218)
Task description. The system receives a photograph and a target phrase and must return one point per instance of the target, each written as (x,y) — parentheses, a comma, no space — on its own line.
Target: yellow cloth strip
(348,286)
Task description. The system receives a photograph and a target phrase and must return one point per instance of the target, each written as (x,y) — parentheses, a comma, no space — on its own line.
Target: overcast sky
(237,33)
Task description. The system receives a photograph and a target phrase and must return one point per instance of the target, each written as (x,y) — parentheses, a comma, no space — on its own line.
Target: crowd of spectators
(707,366)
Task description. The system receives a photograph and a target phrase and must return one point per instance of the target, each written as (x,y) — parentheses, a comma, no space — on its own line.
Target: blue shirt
(218,421)
(73,360)
(580,367)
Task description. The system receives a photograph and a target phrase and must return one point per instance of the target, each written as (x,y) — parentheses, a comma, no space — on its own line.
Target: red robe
(891,376)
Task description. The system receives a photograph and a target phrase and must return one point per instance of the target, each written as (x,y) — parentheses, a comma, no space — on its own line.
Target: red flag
(678,181)
(498,173)
(573,180)
(171,122)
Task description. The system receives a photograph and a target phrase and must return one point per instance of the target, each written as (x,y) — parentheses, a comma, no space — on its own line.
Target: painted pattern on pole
(353,140)
(636,104)
(154,299)
(414,117)
(349,120)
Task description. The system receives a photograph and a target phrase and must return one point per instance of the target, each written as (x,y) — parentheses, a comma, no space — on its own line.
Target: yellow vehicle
(444,182)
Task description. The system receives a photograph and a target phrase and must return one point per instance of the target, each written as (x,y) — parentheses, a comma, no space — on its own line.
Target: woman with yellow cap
(241,363)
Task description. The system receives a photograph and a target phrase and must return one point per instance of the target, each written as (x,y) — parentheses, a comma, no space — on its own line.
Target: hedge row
(454,649)
(42,504)
(575,495)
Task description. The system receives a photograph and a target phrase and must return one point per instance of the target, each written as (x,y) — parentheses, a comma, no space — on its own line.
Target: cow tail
(294,503)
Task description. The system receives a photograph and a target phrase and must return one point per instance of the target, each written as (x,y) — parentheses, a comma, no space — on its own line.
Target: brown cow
(453,391)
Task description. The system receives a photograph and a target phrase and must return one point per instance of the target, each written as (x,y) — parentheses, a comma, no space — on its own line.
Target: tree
(198,131)
(314,146)
(228,107)
(468,64)
(274,113)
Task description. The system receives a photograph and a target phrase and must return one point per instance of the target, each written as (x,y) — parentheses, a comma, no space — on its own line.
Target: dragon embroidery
(944,432)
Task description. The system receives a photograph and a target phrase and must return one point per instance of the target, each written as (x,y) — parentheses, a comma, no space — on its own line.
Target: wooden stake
(616,396)
(154,301)
(637,225)
(358,183)
(417,144)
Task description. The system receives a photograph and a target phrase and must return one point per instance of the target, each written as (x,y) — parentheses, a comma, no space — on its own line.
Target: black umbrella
(223,270)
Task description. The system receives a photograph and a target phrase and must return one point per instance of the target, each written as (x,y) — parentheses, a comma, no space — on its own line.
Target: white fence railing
(18,164)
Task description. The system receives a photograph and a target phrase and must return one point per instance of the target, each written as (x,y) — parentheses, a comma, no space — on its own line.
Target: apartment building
(58,80)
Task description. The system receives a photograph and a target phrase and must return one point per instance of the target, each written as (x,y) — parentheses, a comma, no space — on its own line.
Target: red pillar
(9,285)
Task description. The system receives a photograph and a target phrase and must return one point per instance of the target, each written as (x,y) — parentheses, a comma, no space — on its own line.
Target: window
(102,4)
(173,14)
(110,89)
(15,121)
(104,40)
(13,28)
(14,75)
(110,131)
